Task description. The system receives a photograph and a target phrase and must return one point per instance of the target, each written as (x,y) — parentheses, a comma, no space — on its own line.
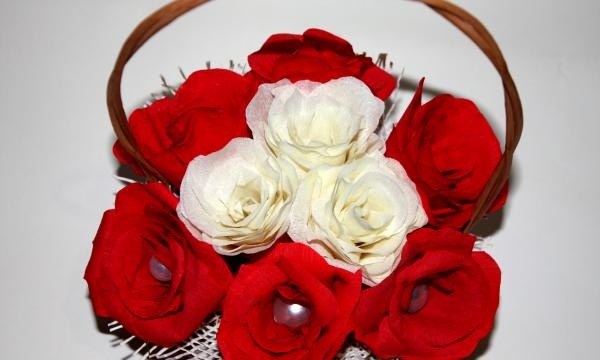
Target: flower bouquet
(284,214)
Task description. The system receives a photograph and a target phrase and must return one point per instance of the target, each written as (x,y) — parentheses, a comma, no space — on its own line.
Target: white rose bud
(312,124)
(238,198)
(358,215)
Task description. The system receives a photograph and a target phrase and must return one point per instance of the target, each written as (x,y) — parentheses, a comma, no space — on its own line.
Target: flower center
(159,270)
(289,313)
(245,198)
(418,299)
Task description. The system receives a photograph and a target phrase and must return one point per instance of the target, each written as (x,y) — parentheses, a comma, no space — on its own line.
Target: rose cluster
(340,231)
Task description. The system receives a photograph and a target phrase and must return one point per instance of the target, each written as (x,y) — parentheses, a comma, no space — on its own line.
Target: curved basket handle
(460,18)
(475,30)
(140,35)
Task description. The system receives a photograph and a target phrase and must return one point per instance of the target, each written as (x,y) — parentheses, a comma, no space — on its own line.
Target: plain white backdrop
(57,171)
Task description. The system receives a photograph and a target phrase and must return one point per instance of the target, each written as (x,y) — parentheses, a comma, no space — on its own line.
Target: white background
(56,167)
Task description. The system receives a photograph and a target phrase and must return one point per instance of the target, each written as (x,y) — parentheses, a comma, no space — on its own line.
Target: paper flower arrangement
(274,199)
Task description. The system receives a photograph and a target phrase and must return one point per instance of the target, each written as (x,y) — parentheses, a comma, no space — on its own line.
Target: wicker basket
(202,345)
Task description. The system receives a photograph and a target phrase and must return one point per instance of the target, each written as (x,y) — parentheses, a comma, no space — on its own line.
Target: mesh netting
(202,345)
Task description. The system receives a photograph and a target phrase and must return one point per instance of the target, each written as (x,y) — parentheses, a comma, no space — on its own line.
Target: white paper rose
(358,215)
(312,124)
(238,198)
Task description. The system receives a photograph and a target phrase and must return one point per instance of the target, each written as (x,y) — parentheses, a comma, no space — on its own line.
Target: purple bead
(290,314)
(159,270)
(418,298)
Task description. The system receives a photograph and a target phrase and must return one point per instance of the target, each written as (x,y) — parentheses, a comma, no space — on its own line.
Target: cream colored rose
(358,215)
(238,198)
(312,124)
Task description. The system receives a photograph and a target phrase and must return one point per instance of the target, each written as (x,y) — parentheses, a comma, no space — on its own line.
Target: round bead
(290,314)
(159,270)
(418,298)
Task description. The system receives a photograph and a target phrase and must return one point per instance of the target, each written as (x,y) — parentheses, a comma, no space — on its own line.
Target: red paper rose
(450,151)
(290,304)
(438,304)
(149,273)
(205,114)
(318,56)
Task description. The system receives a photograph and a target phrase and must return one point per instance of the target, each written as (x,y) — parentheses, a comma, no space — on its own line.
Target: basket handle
(460,18)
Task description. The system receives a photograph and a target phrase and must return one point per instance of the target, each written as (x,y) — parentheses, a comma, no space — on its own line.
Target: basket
(202,345)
